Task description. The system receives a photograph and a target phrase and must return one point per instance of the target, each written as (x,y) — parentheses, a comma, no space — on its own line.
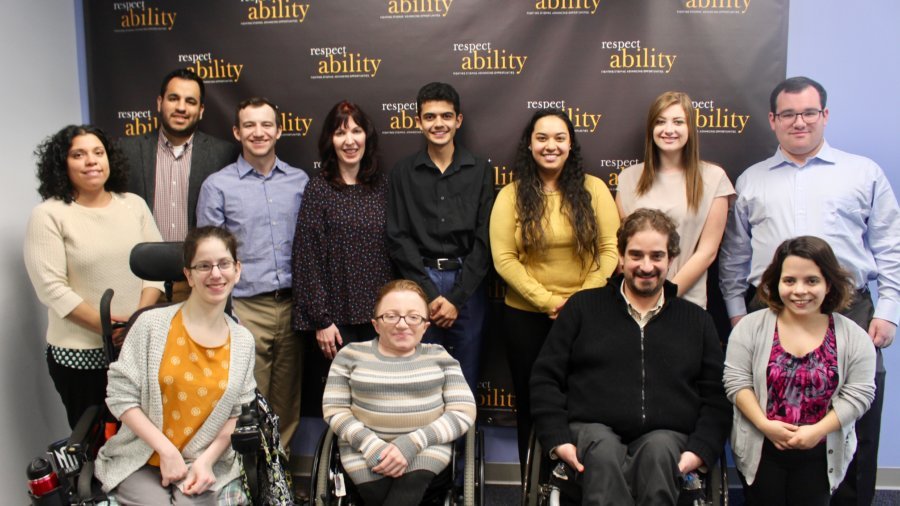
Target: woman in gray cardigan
(178,386)
(799,375)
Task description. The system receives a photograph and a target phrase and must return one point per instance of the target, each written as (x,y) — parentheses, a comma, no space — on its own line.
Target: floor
(508,495)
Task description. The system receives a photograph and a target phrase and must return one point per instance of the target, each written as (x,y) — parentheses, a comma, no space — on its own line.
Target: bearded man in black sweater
(628,387)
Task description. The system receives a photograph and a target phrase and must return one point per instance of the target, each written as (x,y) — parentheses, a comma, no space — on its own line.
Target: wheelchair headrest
(157,261)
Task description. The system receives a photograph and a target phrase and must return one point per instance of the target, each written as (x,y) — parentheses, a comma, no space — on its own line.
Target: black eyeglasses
(411,319)
(205,267)
(810,116)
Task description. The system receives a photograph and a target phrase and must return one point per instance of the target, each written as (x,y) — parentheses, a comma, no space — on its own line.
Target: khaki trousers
(279,357)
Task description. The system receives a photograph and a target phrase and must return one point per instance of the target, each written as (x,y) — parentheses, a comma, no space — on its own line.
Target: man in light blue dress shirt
(809,188)
(257,199)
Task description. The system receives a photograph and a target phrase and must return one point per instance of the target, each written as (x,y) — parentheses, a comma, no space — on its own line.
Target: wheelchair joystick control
(43,484)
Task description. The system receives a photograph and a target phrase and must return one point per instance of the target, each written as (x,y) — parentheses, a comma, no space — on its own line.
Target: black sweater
(592,368)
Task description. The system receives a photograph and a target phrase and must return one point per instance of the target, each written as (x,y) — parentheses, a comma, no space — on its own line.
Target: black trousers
(858,487)
(525,333)
(790,477)
(79,389)
(407,490)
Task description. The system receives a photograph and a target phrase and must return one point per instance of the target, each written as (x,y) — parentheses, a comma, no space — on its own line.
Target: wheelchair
(331,486)
(546,486)
(72,459)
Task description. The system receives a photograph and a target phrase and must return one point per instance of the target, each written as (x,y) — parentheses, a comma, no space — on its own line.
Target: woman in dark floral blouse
(340,259)
(800,375)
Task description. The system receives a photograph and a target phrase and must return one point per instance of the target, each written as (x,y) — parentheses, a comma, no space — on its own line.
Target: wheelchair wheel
(531,484)
(717,490)
(469,469)
(321,469)
(479,468)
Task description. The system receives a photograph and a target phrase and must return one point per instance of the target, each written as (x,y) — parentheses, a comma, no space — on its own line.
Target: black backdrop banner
(602,61)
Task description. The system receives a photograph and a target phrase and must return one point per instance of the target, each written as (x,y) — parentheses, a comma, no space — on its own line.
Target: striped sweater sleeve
(336,410)
(459,412)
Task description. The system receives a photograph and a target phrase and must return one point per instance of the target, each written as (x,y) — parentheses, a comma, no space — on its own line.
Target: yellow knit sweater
(541,282)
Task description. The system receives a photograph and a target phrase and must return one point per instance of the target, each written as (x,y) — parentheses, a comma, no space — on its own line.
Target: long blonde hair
(690,154)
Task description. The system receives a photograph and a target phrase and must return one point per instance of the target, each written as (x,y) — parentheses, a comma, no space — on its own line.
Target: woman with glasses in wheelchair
(178,386)
(800,375)
(76,246)
(395,404)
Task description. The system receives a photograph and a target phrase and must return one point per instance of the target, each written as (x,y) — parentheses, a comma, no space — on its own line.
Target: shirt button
(442,220)
(442,197)
(830,452)
(831,470)
(274,223)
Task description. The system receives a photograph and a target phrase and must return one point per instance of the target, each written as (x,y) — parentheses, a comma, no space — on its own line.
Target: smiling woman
(799,374)
(178,386)
(553,233)
(673,179)
(340,259)
(396,404)
(77,245)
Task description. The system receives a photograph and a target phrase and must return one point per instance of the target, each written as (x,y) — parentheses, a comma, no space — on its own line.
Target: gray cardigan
(746,360)
(134,382)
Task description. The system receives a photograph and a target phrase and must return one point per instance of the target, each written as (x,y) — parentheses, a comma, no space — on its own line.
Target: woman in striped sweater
(395,404)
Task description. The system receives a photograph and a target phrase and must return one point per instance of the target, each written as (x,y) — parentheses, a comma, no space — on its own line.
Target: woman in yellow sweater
(553,232)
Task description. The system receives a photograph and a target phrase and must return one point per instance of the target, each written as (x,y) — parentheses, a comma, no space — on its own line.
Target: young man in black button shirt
(439,204)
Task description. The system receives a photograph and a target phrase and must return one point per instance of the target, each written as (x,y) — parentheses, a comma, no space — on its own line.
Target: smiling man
(809,188)
(167,167)
(628,386)
(257,199)
(439,204)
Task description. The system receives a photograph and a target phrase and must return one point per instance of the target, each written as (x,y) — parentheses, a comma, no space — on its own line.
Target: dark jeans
(790,477)
(463,339)
(858,487)
(525,333)
(79,389)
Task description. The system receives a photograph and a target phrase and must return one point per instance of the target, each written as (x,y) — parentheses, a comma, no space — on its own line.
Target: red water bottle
(42,478)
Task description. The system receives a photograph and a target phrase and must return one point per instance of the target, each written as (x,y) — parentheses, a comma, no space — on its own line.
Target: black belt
(443,264)
(280,295)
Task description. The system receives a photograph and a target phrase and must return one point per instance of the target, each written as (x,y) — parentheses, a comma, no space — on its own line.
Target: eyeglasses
(789,117)
(411,319)
(205,267)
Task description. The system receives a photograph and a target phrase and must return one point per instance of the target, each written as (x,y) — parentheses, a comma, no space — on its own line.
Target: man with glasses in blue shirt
(809,188)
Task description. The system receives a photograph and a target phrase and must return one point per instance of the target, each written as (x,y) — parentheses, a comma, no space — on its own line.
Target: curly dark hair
(53,167)
(576,201)
(338,116)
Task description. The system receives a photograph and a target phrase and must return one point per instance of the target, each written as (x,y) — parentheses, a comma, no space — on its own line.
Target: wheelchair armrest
(85,433)
(246,440)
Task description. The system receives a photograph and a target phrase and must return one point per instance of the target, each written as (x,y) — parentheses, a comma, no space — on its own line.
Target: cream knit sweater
(74,253)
